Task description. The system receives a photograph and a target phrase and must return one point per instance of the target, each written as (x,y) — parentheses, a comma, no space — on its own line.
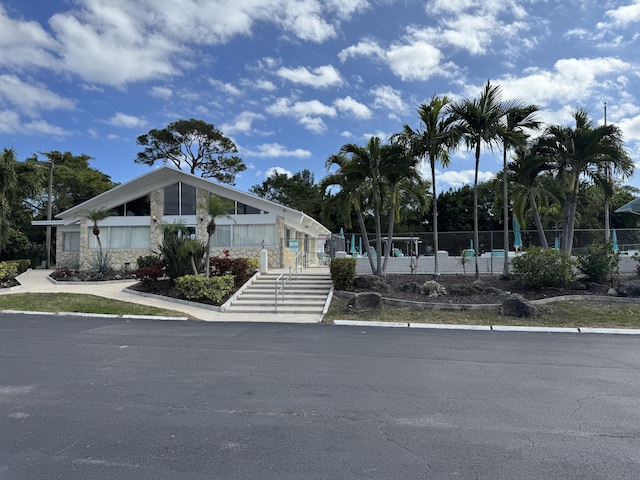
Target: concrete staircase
(307,294)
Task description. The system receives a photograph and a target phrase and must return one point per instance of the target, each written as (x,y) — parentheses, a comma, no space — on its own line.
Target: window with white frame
(71,241)
(122,237)
(244,236)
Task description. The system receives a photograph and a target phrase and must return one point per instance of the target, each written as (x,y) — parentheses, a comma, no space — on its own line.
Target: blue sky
(291,81)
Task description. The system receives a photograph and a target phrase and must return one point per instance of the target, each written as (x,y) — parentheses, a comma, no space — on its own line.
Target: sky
(291,81)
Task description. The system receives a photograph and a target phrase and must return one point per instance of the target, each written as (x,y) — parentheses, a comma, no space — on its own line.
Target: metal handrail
(285,278)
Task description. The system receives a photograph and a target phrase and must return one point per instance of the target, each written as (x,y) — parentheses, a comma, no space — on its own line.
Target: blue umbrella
(517,238)
(360,245)
(341,232)
(556,244)
(615,241)
(352,250)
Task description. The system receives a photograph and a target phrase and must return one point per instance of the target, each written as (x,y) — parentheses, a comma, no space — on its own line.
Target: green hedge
(343,272)
(199,288)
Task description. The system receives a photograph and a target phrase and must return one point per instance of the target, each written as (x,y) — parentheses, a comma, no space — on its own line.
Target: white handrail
(284,280)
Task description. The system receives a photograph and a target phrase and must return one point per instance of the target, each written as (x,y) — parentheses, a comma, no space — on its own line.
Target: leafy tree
(432,142)
(584,151)
(216,208)
(456,209)
(194,143)
(478,122)
(298,191)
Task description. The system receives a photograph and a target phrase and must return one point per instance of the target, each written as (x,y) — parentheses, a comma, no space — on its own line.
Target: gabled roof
(164,176)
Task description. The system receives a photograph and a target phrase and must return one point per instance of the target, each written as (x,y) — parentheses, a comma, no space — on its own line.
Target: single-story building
(167,195)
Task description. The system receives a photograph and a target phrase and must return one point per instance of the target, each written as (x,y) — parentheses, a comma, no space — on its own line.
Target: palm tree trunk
(436,272)
(476,235)
(207,268)
(387,250)
(505,209)
(572,215)
(536,217)
(376,213)
(365,236)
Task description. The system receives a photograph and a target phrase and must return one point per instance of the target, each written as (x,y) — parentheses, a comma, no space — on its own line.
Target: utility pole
(607,230)
(50,195)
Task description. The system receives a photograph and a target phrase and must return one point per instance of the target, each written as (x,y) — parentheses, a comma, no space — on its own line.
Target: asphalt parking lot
(103,398)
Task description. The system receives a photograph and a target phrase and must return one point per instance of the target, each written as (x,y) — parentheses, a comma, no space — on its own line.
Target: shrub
(241,268)
(8,270)
(21,265)
(197,287)
(541,267)
(100,265)
(17,245)
(147,260)
(343,272)
(178,252)
(150,272)
(599,263)
(63,273)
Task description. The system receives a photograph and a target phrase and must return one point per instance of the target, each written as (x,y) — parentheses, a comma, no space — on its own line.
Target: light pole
(49,198)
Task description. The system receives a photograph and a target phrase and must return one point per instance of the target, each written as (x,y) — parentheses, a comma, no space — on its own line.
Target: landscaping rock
(629,289)
(517,306)
(411,287)
(365,302)
(597,288)
(466,289)
(432,289)
(612,292)
(372,283)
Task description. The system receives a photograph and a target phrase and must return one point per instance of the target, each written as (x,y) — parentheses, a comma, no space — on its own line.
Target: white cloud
(225,87)
(353,107)
(457,179)
(9,121)
(324,76)
(631,128)
(161,92)
(242,123)
(31,98)
(623,16)
(275,150)
(347,134)
(25,44)
(365,48)
(128,121)
(259,84)
(417,61)
(307,113)
(388,98)
(44,128)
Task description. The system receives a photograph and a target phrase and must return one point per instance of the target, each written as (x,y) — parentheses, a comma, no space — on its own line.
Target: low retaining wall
(451,265)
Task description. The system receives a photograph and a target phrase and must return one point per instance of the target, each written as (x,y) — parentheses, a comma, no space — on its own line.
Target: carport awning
(632,207)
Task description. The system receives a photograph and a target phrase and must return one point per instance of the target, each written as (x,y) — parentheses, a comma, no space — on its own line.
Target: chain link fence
(455,242)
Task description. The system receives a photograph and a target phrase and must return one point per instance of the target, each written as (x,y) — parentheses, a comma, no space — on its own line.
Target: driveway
(99,398)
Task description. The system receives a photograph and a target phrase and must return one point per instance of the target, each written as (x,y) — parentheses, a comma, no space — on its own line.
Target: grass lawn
(560,314)
(70,302)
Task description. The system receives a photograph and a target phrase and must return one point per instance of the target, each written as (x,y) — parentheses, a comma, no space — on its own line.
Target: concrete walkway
(38,281)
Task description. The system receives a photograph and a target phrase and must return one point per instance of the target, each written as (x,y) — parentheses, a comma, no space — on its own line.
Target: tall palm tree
(432,141)
(517,119)
(367,178)
(215,207)
(479,122)
(584,151)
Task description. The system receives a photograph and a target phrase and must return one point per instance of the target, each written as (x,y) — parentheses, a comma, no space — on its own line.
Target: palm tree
(584,151)
(478,122)
(367,178)
(8,185)
(96,216)
(215,207)
(432,142)
(528,192)
(518,118)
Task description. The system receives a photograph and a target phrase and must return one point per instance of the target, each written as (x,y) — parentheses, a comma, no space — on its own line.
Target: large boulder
(371,283)
(365,302)
(630,288)
(466,289)
(517,306)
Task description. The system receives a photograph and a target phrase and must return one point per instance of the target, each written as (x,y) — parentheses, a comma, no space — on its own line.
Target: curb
(96,315)
(488,328)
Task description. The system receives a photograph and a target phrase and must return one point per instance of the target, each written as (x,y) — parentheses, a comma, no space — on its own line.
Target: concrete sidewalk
(38,281)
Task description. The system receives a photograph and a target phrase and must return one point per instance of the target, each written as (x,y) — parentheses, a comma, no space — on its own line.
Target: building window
(180,199)
(115,238)
(71,241)
(244,236)
(139,207)
(239,208)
